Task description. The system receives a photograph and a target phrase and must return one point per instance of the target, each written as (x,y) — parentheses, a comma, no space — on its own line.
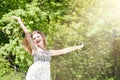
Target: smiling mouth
(38,41)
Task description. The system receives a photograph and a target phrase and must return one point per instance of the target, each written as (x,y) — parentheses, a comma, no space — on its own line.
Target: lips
(38,41)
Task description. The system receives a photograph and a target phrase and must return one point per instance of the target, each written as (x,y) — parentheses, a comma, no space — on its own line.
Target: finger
(15,17)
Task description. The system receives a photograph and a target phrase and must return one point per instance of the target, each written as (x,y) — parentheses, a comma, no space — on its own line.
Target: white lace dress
(40,69)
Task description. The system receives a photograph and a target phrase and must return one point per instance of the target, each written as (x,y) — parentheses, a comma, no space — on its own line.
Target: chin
(38,45)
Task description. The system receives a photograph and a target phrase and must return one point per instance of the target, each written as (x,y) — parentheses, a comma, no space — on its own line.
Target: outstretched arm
(30,41)
(65,50)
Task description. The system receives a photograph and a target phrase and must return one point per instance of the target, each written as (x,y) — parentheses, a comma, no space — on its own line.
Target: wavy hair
(26,45)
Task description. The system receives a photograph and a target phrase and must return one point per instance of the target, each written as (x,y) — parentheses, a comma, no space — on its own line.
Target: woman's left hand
(82,45)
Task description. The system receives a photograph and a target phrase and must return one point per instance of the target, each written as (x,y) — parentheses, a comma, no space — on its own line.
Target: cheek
(42,42)
(34,41)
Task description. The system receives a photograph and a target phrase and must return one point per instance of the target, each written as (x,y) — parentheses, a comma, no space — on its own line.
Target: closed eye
(34,38)
(38,36)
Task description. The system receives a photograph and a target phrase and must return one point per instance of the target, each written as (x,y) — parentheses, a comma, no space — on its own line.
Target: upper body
(36,42)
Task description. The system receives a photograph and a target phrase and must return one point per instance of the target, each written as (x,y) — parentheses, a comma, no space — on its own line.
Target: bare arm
(30,41)
(65,50)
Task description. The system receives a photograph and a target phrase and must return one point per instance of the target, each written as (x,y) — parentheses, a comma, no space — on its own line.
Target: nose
(36,39)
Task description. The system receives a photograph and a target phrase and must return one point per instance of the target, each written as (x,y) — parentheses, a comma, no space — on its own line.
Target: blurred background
(65,23)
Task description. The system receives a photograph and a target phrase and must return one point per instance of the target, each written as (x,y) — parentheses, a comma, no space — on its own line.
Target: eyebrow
(36,36)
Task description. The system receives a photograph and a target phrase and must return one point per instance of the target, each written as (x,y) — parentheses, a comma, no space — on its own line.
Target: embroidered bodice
(41,56)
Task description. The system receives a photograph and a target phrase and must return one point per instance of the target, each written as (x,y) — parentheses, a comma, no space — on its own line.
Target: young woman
(35,44)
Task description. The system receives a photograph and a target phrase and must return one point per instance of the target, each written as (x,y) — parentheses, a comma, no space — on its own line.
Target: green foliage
(65,23)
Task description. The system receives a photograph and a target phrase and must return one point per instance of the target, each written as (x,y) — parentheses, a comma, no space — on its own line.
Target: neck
(40,49)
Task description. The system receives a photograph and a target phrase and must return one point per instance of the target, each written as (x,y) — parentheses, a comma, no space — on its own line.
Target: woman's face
(38,40)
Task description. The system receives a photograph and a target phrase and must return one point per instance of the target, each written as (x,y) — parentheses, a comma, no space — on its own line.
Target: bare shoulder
(50,51)
(55,52)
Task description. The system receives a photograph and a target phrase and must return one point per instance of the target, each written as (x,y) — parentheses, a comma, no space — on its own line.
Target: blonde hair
(26,45)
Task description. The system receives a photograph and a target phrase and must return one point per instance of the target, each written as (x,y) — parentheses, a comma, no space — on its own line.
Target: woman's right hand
(15,17)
